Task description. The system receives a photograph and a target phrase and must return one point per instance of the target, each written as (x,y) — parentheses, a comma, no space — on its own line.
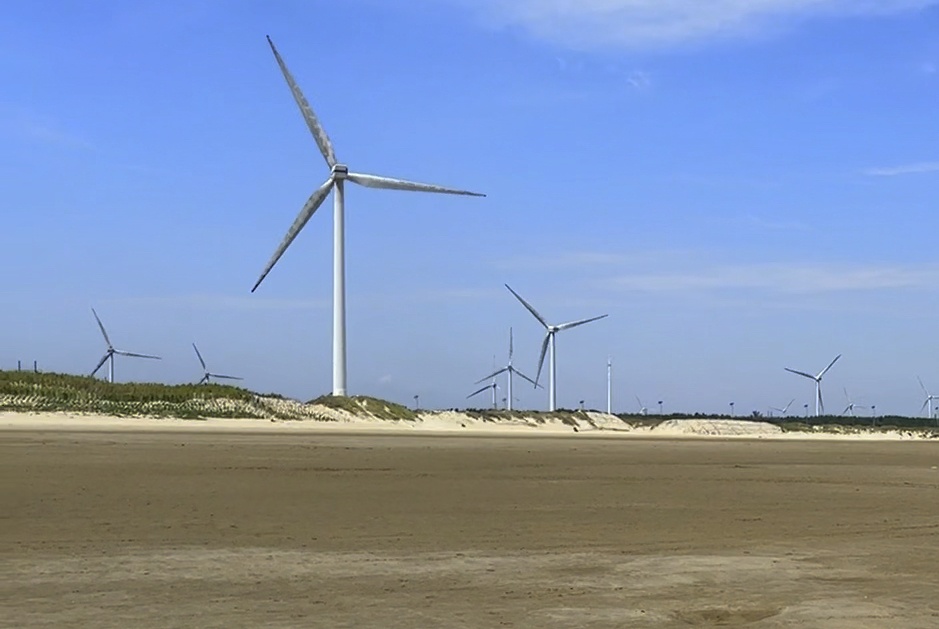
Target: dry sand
(141,524)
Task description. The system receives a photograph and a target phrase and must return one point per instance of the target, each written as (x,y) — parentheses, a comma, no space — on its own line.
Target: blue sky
(742,185)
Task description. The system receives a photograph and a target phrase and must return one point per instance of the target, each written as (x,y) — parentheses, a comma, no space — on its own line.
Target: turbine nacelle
(339,172)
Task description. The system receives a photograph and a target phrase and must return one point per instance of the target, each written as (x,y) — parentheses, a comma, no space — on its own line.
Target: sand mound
(715,428)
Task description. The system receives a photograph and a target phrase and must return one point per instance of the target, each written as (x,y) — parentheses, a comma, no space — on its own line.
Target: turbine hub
(340,172)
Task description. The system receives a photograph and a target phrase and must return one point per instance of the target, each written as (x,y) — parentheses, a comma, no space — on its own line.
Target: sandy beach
(111,522)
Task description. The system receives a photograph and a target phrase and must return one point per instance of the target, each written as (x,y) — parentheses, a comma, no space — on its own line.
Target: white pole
(111,369)
(495,403)
(339,292)
(818,396)
(609,386)
(508,404)
(552,394)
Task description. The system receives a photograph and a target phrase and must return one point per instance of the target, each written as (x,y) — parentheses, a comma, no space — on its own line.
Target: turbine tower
(609,385)
(492,385)
(819,404)
(339,174)
(929,398)
(111,351)
(550,332)
(206,376)
(511,372)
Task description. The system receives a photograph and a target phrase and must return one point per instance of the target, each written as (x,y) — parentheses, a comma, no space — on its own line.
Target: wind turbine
(206,376)
(782,411)
(819,404)
(511,371)
(642,409)
(492,385)
(929,398)
(111,351)
(550,332)
(339,174)
(849,409)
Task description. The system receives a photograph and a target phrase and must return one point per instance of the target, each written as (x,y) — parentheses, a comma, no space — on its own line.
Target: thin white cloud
(781,278)
(906,169)
(775,225)
(651,23)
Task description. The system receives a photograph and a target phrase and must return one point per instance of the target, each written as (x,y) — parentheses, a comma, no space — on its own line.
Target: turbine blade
(574,324)
(199,355)
(526,378)
(824,371)
(788,405)
(531,310)
(218,375)
(101,325)
(801,373)
(821,402)
(316,199)
(492,375)
(121,352)
(319,134)
(485,388)
(920,408)
(544,349)
(510,346)
(103,360)
(205,379)
(923,386)
(389,183)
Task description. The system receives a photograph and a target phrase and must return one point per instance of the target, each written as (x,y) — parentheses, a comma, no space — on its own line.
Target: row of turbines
(113,351)
(339,173)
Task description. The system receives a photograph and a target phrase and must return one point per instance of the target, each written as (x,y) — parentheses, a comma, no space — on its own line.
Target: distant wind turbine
(929,398)
(511,371)
(109,355)
(550,332)
(849,409)
(819,404)
(782,411)
(642,409)
(492,385)
(339,174)
(206,376)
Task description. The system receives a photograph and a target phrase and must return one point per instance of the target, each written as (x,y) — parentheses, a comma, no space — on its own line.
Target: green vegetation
(382,409)
(30,391)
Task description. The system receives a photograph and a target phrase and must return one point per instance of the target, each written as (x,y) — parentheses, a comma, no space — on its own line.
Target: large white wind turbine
(550,332)
(339,174)
(642,409)
(511,372)
(819,404)
(206,376)
(111,351)
(929,398)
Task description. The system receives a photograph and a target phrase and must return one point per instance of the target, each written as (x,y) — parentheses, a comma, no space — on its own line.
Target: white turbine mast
(109,355)
(511,371)
(549,339)
(339,174)
(206,376)
(609,385)
(929,398)
(819,404)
